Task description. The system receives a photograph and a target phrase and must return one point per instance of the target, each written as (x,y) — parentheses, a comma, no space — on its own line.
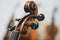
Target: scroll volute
(31,7)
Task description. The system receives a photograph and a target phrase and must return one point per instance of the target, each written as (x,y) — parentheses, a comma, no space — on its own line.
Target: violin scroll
(30,7)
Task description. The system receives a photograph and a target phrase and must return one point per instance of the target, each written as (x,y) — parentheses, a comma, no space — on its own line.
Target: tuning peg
(11,28)
(40,17)
(17,19)
(34,26)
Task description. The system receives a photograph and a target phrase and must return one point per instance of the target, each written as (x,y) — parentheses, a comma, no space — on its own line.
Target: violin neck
(53,20)
(53,16)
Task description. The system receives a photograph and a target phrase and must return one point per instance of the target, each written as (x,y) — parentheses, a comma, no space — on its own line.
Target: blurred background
(9,8)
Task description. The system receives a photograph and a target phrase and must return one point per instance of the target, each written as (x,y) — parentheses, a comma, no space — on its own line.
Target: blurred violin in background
(51,30)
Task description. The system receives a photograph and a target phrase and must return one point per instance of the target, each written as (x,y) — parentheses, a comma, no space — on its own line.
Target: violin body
(52,35)
(51,30)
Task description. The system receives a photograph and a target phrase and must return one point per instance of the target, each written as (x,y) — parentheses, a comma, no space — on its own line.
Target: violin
(26,28)
(51,30)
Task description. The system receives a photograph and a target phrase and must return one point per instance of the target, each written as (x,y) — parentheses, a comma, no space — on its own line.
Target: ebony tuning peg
(40,17)
(11,28)
(34,26)
(17,19)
